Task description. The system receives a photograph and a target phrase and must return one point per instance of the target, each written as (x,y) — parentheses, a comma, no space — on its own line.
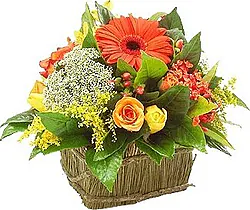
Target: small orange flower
(48,64)
(129,114)
(168,82)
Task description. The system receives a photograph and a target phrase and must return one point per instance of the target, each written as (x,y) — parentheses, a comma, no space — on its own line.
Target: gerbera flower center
(132,44)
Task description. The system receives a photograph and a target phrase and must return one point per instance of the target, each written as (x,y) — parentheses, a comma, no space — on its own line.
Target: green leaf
(35,152)
(176,100)
(89,41)
(14,128)
(59,124)
(202,106)
(188,135)
(157,16)
(112,102)
(68,142)
(162,143)
(149,96)
(215,82)
(123,66)
(144,147)
(172,20)
(191,51)
(241,103)
(217,136)
(210,75)
(231,123)
(24,117)
(216,145)
(176,34)
(104,14)
(110,146)
(105,170)
(87,17)
(151,68)
(133,136)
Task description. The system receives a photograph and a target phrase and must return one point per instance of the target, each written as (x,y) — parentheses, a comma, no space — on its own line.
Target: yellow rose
(36,97)
(129,114)
(156,118)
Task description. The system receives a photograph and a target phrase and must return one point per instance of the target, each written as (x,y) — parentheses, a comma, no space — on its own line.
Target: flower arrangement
(126,80)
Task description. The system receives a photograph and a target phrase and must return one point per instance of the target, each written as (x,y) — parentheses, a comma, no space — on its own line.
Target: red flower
(180,74)
(48,64)
(125,37)
(205,118)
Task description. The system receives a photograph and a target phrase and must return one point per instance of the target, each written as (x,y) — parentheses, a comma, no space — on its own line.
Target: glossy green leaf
(157,16)
(14,128)
(68,142)
(133,136)
(202,106)
(105,170)
(144,147)
(35,152)
(211,74)
(24,117)
(123,66)
(149,96)
(162,143)
(188,135)
(90,41)
(103,13)
(110,146)
(59,124)
(176,101)
(151,68)
(191,51)
(215,82)
(172,20)
(215,135)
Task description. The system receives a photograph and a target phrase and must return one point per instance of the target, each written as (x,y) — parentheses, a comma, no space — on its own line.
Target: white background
(30,30)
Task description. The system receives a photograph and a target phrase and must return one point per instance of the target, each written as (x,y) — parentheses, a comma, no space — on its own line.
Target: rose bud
(156,118)
(126,76)
(179,44)
(139,90)
(36,96)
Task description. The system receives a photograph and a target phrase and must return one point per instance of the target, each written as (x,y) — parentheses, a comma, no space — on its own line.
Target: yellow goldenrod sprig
(90,115)
(43,137)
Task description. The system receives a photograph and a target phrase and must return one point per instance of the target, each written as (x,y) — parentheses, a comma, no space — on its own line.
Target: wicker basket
(138,179)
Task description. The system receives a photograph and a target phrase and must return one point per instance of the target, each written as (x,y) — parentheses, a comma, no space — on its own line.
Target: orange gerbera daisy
(125,37)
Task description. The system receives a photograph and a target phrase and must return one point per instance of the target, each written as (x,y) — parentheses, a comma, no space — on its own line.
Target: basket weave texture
(138,179)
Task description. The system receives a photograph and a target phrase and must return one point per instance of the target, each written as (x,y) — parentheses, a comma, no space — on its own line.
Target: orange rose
(129,114)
